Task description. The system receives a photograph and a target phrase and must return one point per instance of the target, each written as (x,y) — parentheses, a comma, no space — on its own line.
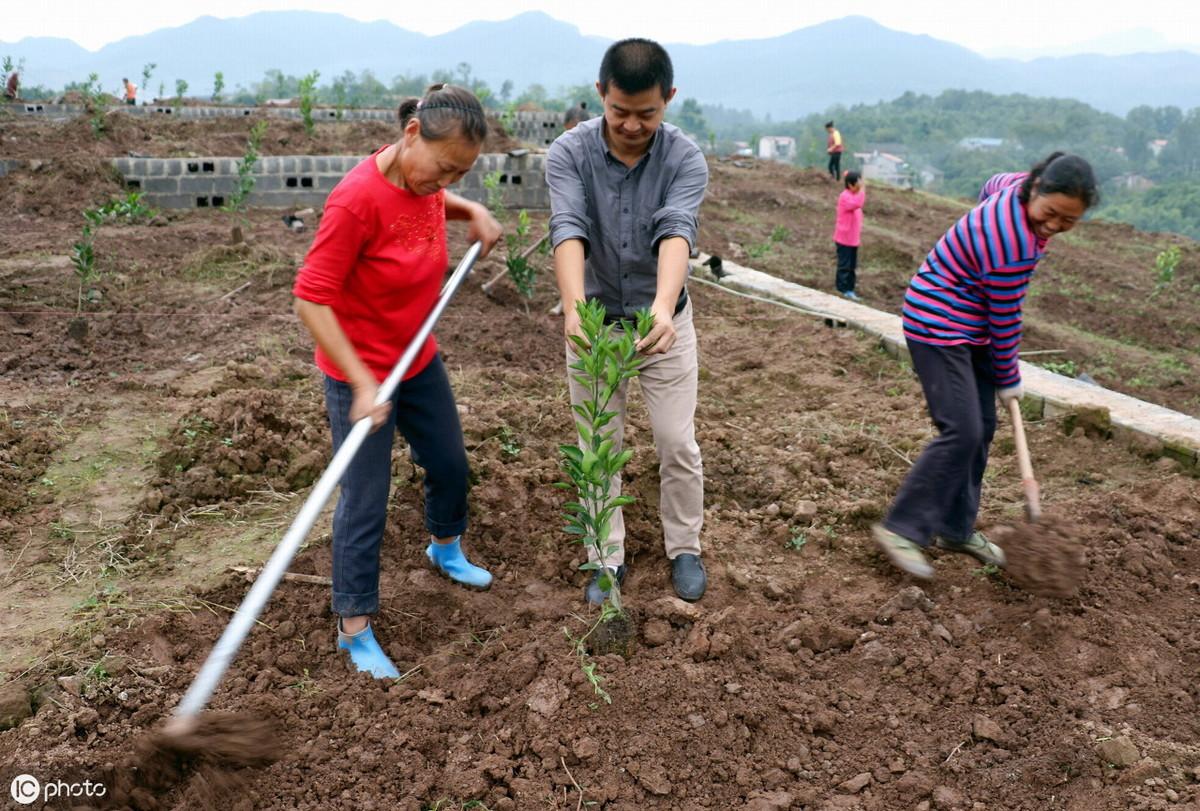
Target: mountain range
(847,61)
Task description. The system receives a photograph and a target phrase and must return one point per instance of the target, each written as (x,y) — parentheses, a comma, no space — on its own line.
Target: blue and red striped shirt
(972,284)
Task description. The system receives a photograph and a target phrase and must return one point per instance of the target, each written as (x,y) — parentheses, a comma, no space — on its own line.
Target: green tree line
(928,131)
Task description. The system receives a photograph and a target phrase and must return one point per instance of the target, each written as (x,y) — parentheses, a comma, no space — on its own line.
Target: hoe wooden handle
(1033,500)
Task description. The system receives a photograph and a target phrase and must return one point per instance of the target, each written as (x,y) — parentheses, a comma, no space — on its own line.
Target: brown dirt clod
(1045,558)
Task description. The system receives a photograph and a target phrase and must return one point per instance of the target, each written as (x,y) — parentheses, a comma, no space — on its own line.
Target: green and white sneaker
(903,553)
(977,546)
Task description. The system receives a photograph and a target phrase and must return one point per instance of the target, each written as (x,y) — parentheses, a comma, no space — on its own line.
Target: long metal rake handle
(219,659)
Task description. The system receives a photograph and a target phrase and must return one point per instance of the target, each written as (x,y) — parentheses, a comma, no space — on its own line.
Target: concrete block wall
(297,181)
(536,129)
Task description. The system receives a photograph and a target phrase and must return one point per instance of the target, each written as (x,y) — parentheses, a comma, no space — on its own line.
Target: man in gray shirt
(625,192)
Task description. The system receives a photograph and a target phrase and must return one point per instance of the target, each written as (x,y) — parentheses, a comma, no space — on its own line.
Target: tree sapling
(608,358)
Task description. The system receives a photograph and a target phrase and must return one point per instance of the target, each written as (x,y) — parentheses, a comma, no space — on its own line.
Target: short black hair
(852,177)
(828,124)
(636,65)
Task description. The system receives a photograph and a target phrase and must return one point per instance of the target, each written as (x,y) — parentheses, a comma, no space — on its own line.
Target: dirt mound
(241,440)
(26,445)
(1044,558)
(59,187)
(166,137)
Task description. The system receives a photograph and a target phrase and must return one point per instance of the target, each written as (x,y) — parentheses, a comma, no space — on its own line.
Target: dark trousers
(835,165)
(847,265)
(423,409)
(940,495)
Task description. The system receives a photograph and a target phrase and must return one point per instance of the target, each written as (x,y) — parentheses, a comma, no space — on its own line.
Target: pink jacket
(848,230)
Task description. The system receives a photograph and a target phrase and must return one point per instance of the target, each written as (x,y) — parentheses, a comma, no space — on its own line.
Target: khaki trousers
(669,388)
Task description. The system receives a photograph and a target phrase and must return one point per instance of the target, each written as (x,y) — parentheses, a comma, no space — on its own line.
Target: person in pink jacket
(848,232)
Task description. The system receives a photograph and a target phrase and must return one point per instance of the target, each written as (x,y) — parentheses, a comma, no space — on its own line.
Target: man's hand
(662,336)
(1011,393)
(484,228)
(363,405)
(571,324)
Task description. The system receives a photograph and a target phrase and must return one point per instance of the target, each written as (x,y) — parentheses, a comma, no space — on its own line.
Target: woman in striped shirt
(962,324)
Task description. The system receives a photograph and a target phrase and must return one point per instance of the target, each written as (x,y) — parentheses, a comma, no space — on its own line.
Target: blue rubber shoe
(448,558)
(366,654)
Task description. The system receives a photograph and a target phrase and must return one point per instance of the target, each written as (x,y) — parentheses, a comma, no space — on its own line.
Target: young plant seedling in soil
(94,103)
(147,71)
(520,269)
(608,358)
(245,180)
(83,258)
(218,86)
(308,95)
(495,197)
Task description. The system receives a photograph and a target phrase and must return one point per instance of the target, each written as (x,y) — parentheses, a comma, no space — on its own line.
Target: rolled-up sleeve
(679,214)
(568,200)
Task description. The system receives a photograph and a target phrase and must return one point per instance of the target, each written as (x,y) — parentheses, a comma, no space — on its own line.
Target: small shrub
(94,103)
(181,87)
(522,272)
(1165,265)
(606,360)
(218,86)
(245,169)
(495,197)
(308,95)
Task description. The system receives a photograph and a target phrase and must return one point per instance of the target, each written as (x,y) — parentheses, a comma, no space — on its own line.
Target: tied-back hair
(1061,173)
(446,111)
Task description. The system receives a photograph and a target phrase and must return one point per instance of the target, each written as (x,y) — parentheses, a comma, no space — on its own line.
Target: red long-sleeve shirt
(377,261)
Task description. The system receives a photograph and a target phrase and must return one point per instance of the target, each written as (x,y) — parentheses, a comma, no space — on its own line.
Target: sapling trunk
(607,358)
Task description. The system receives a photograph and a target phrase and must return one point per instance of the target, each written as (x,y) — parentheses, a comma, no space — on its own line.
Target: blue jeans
(423,409)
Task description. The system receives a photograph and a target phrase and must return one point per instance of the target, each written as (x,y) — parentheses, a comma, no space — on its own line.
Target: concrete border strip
(1047,393)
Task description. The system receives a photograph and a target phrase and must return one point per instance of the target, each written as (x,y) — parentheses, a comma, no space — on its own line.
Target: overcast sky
(1013,27)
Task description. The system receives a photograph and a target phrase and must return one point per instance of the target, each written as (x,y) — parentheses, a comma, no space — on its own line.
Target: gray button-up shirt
(622,214)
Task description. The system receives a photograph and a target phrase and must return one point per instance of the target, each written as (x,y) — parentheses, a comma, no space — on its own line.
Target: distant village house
(890,168)
(980,144)
(780,148)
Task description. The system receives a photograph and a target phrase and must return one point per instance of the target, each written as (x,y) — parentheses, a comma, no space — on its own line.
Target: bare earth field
(179,436)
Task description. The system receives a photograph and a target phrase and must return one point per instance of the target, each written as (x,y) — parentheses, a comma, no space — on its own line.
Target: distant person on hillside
(12,87)
(576,115)
(368,282)
(833,145)
(962,324)
(625,194)
(130,92)
(847,233)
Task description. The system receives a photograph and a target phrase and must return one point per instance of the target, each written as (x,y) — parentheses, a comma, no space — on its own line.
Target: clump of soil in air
(209,757)
(1044,558)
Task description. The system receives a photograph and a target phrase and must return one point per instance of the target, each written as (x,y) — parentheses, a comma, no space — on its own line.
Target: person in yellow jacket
(833,145)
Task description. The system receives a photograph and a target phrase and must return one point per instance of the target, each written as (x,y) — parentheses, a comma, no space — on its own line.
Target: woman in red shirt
(371,277)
